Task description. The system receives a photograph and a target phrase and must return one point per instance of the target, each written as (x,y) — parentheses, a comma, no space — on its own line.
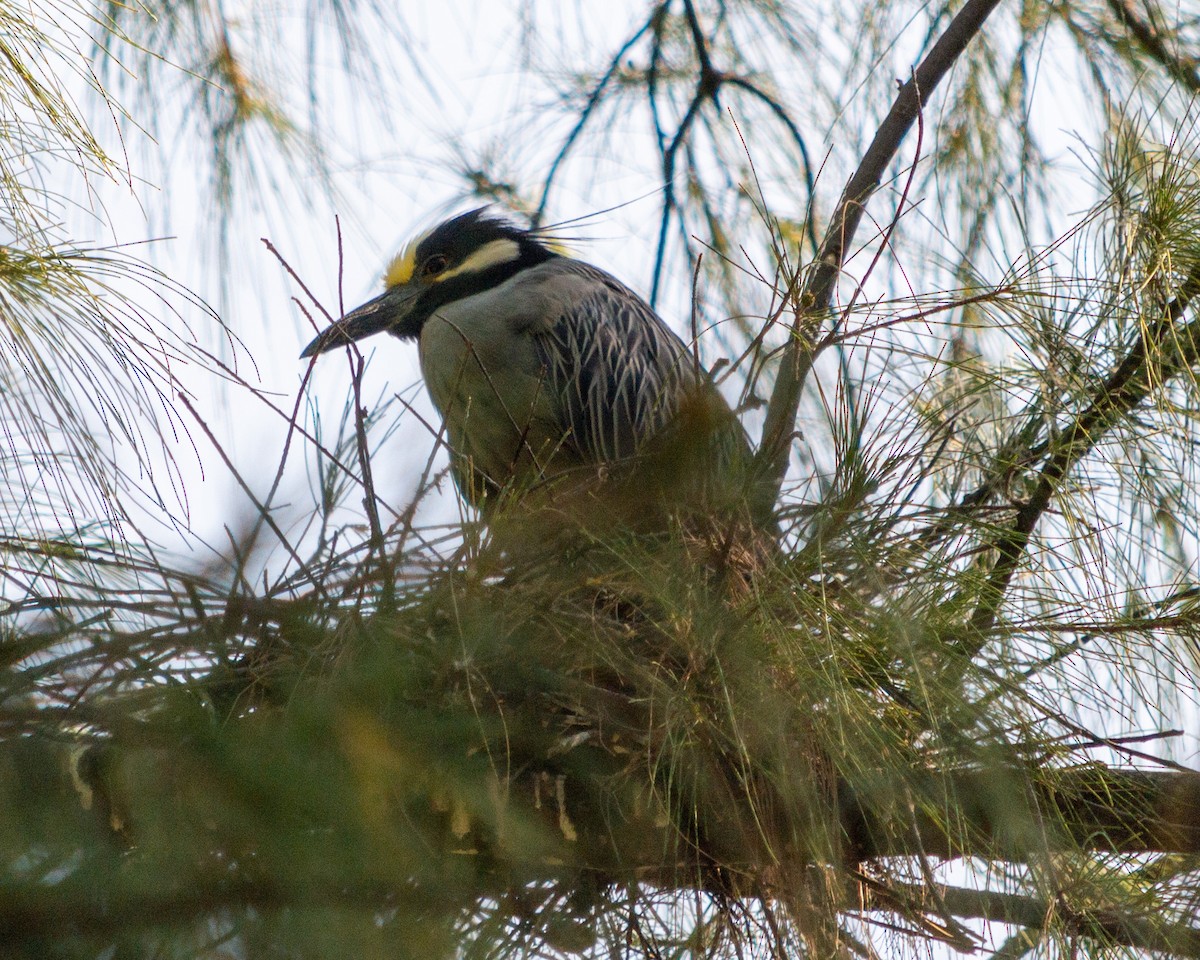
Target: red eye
(434,265)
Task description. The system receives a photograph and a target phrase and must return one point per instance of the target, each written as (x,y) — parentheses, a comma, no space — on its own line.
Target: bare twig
(263,510)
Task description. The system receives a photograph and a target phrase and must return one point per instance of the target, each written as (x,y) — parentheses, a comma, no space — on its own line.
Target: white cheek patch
(490,254)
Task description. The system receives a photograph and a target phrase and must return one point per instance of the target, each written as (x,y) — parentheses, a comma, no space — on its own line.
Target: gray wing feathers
(619,371)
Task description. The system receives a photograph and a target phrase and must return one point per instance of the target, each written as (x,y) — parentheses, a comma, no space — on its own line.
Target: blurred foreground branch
(180,831)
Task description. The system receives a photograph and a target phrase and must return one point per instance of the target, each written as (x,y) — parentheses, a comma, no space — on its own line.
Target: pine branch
(1181,69)
(1106,925)
(817,294)
(305,854)
(1159,354)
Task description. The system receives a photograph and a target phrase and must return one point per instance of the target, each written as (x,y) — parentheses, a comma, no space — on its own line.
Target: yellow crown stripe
(401,269)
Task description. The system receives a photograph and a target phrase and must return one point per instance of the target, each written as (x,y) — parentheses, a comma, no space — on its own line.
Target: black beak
(388,311)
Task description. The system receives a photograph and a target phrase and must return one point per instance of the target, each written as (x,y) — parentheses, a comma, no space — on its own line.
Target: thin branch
(669,203)
(585,115)
(263,511)
(698,40)
(708,85)
(814,300)
(781,114)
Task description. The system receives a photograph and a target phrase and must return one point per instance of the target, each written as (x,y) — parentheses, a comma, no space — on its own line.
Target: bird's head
(466,255)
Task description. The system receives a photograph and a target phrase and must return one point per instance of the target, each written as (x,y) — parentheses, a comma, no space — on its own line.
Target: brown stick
(817,294)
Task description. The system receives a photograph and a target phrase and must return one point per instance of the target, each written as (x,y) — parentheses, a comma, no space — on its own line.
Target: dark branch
(585,114)
(1182,70)
(817,295)
(1160,353)
(708,85)
(1176,939)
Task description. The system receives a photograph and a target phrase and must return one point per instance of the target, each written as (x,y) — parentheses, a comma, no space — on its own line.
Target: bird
(549,374)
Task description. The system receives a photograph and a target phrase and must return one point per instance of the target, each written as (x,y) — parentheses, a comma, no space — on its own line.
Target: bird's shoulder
(577,293)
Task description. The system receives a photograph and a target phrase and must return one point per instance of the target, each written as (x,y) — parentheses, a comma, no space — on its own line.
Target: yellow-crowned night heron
(544,367)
